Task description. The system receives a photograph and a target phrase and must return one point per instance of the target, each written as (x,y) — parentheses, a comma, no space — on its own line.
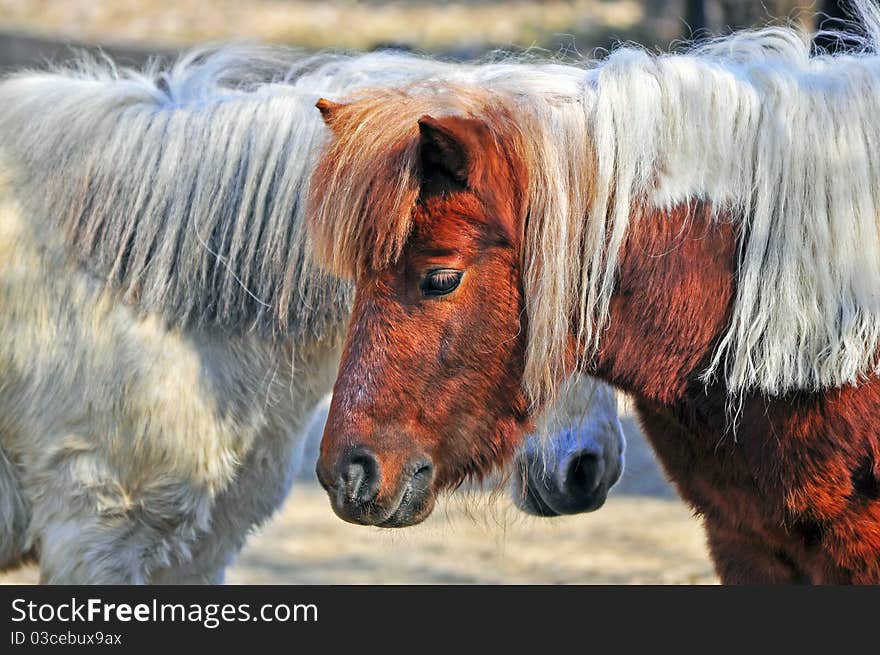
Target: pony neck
(672,302)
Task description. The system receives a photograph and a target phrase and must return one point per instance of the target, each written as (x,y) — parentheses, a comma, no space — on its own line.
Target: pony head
(424,213)
(490,223)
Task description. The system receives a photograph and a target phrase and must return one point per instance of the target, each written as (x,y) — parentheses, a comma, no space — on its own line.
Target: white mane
(784,139)
(185,187)
(788,142)
(764,130)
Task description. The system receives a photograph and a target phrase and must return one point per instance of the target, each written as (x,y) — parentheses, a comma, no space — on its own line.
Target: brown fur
(401,340)
(789,493)
(376,138)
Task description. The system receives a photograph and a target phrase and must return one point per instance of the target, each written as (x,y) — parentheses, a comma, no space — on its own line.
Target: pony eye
(440,282)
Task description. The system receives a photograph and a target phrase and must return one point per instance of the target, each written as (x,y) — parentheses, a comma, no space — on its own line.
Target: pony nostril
(584,474)
(418,490)
(353,478)
(358,479)
(422,477)
(424,471)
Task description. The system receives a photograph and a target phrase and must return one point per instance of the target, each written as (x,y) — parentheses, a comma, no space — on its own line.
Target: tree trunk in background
(838,15)
(740,14)
(695,18)
(837,9)
(704,17)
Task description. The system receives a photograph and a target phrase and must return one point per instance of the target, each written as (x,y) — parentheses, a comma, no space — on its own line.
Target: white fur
(163,336)
(144,434)
(780,140)
(142,453)
(786,143)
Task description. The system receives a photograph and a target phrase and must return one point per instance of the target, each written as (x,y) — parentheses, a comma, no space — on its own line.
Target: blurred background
(35,30)
(644,533)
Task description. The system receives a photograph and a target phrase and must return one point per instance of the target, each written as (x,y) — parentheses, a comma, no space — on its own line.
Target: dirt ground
(643,535)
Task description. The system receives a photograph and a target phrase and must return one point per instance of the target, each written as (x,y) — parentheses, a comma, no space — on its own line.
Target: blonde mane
(755,124)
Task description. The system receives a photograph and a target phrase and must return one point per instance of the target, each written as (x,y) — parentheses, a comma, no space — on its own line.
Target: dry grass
(337,23)
(643,535)
(632,540)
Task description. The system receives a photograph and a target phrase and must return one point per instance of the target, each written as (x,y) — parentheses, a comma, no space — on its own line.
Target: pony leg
(742,558)
(94,550)
(197,572)
(86,542)
(84,552)
(208,565)
(261,487)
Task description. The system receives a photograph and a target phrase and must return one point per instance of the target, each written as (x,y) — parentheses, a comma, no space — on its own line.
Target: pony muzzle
(577,484)
(364,491)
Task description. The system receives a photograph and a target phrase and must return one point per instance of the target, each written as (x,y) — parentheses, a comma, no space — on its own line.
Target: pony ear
(328,108)
(445,147)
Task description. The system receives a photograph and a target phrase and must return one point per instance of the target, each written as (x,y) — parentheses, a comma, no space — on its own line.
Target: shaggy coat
(699,229)
(151,393)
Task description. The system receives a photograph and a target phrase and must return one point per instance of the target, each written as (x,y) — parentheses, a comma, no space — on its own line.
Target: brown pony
(444,205)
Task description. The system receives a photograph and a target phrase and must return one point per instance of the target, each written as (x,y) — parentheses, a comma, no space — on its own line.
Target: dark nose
(354,483)
(357,478)
(577,485)
(583,476)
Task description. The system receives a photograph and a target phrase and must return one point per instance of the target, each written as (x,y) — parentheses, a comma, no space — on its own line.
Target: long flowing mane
(780,138)
(184,185)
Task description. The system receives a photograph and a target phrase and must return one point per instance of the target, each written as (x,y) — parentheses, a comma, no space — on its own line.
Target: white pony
(163,337)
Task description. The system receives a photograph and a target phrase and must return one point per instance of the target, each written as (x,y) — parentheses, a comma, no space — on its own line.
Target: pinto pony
(163,335)
(701,230)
